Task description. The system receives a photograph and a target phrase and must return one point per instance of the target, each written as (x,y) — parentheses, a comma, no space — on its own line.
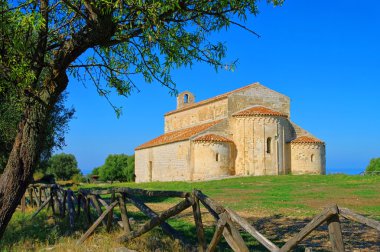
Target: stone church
(245,132)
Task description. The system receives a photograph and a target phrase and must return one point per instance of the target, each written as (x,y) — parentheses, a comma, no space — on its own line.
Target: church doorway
(150,169)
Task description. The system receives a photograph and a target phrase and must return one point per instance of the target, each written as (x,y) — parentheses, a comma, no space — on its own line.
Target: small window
(312,158)
(217,157)
(186,98)
(269,145)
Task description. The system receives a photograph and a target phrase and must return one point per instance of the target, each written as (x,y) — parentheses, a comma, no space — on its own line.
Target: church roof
(212,138)
(213,99)
(259,110)
(306,139)
(177,136)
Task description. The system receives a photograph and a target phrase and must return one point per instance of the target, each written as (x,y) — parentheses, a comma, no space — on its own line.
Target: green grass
(268,201)
(288,195)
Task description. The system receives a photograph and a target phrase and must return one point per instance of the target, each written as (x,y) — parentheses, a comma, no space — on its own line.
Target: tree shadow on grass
(277,228)
(280,229)
(44,228)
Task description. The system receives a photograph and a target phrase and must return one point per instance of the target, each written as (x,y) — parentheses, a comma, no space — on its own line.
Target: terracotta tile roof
(259,110)
(306,139)
(211,138)
(177,136)
(216,98)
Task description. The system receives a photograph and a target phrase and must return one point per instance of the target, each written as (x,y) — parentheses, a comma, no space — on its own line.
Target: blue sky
(324,55)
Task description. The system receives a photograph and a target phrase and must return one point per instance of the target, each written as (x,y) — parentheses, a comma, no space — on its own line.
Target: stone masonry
(243,132)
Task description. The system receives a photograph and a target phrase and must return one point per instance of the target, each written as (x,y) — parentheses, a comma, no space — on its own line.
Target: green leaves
(373,167)
(117,167)
(154,37)
(114,43)
(63,166)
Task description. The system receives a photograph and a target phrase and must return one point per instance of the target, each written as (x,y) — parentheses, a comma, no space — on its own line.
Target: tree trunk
(25,152)
(41,98)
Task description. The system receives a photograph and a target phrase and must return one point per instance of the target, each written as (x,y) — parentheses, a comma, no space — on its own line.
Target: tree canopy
(119,167)
(373,166)
(10,116)
(109,43)
(63,166)
(123,39)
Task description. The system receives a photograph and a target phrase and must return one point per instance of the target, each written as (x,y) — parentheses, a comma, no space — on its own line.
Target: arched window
(186,98)
(269,144)
(312,158)
(217,157)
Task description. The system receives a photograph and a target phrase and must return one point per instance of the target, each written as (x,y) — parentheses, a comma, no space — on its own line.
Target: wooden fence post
(199,225)
(23,203)
(110,215)
(64,203)
(335,233)
(39,195)
(51,201)
(31,197)
(124,216)
(71,208)
(78,204)
(87,210)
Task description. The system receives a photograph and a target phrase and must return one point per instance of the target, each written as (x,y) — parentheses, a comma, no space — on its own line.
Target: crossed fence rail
(65,202)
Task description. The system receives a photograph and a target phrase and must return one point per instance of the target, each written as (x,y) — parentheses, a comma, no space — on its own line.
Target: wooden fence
(228,222)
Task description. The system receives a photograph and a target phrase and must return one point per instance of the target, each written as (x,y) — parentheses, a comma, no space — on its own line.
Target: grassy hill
(288,195)
(278,206)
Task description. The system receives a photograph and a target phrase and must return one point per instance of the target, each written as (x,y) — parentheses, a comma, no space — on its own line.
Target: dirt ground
(279,229)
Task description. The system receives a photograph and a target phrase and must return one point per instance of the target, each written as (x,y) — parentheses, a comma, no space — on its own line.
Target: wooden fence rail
(67,203)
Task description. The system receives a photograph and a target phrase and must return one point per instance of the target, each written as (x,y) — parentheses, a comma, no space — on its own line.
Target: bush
(373,167)
(96,171)
(63,166)
(119,167)
(38,175)
(78,178)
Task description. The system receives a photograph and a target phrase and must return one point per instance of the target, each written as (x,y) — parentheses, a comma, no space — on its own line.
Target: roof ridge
(215,98)
(178,135)
(212,137)
(259,110)
(306,139)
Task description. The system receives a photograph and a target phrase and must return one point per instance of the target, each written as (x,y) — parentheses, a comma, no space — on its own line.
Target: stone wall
(252,136)
(258,95)
(169,162)
(213,159)
(185,99)
(224,107)
(308,158)
(260,143)
(195,116)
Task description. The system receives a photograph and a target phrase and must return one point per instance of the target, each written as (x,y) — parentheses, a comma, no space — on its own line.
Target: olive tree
(109,42)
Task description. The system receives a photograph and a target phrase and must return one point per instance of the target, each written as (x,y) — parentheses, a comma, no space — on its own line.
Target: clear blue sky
(324,55)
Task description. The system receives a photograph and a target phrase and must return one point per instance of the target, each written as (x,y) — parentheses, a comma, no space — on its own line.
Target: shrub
(63,166)
(38,175)
(117,167)
(373,167)
(78,178)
